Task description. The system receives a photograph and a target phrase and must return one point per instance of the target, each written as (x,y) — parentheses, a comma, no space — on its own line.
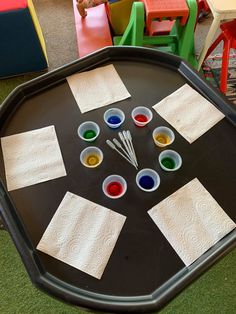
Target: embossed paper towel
(97,88)
(188,112)
(32,157)
(82,234)
(191,220)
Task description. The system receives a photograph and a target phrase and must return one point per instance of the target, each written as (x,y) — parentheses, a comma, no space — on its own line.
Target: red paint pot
(114,186)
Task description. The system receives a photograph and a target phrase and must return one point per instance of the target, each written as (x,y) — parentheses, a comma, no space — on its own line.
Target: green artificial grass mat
(214,292)
(8,84)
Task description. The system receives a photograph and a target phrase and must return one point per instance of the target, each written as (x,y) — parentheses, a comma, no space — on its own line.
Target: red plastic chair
(169,10)
(228,35)
(203,6)
(203,10)
(163,9)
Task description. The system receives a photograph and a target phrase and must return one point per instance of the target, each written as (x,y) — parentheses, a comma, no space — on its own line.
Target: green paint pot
(88,131)
(170,160)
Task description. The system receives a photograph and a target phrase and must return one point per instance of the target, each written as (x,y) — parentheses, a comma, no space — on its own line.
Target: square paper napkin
(32,157)
(82,234)
(97,88)
(191,220)
(188,112)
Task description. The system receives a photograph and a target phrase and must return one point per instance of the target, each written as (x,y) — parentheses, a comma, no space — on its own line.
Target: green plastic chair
(180,41)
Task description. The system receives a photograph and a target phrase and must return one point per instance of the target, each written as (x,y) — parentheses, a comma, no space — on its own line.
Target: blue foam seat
(21,50)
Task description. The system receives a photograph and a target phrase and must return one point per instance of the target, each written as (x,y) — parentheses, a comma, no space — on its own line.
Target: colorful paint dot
(141,118)
(114,120)
(146,182)
(114,188)
(168,163)
(162,138)
(89,134)
(92,160)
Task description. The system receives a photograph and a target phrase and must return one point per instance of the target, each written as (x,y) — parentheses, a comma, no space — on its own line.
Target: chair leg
(186,34)
(134,31)
(199,10)
(214,45)
(209,38)
(225,65)
(206,6)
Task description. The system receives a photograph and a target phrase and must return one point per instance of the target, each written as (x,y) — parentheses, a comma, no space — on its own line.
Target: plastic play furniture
(22,45)
(179,41)
(203,8)
(93,32)
(170,9)
(163,9)
(118,12)
(221,10)
(144,272)
(228,36)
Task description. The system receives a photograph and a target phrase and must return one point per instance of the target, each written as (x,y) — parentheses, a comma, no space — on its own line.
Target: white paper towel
(188,112)
(191,220)
(32,157)
(82,234)
(97,88)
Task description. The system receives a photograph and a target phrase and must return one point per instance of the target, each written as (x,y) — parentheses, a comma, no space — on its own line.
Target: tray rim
(14,225)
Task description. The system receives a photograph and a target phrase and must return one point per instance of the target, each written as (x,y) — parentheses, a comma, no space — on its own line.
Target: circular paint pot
(88,131)
(163,136)
(114,117)
(170,160)
(147,180)
(141,116)
(91,157)
(114,186)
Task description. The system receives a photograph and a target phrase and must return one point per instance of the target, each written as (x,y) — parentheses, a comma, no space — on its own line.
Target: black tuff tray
(143,272)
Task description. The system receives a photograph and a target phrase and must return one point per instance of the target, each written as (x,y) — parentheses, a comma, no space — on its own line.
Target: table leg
(213,29)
